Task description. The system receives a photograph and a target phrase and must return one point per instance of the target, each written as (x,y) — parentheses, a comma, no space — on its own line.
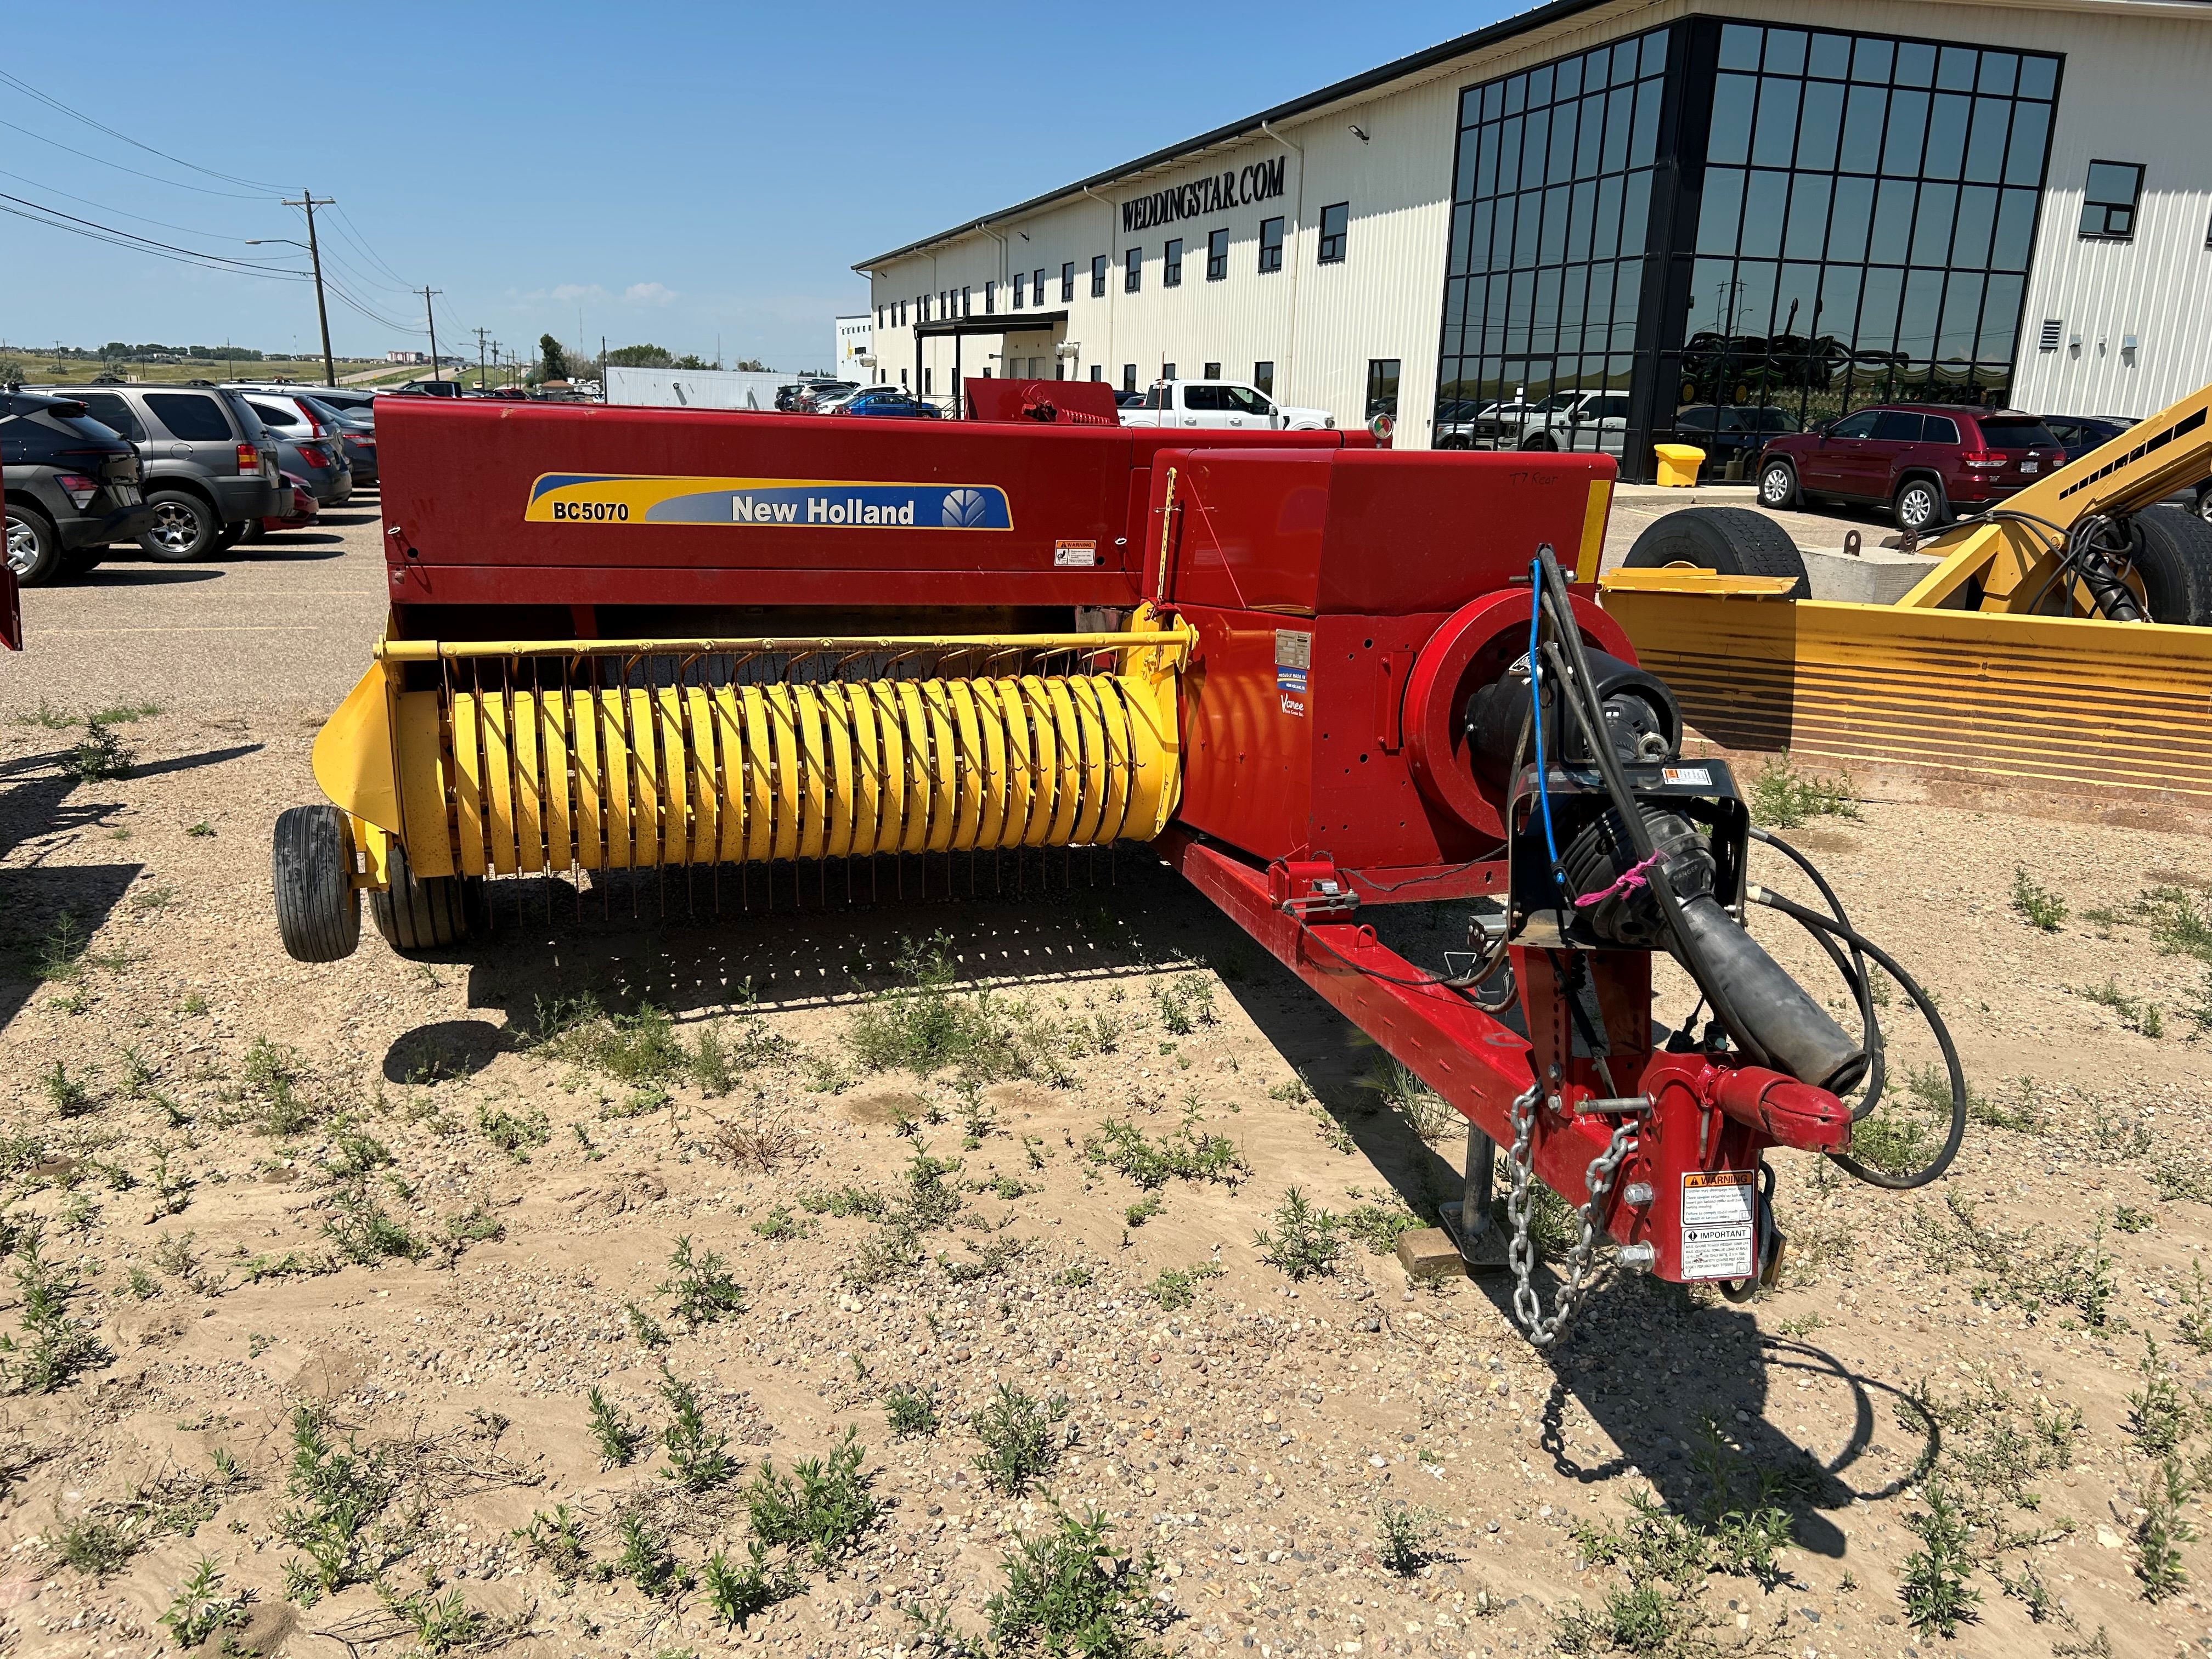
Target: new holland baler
(1311,675)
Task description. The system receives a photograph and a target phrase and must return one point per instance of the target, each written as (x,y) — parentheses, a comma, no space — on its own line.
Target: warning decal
(1719,1223)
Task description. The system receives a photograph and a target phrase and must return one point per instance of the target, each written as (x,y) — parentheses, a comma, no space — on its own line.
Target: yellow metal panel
(1068,732)
(424,830)
(493,715)
(760,778)
(968,772)
(553,745)
(1592,550)
(944,768)
(619,770)
(647,835)
(920,787)
(468,803)
(591,781)
(354,751)
(1683,578)
(730,770)
(783,727)
(529,786)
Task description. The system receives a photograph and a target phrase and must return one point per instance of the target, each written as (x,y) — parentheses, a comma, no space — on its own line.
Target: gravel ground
(373,1190)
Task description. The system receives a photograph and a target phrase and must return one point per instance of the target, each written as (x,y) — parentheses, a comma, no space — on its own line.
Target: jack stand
(1471,1222)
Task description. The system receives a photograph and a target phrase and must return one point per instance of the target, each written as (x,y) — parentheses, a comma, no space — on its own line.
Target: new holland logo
(774,504)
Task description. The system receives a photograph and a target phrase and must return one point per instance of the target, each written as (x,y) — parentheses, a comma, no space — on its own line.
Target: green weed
(822,1504)
(616,1436)
(514,1132)
(701,1286)
(740,1593)
(2034,904)
(1304,1241)
(199,1612)
(1785,798)
(1019,1436)
(698,1457)
(911,1411)
(1067,1592)
(1936,1596)
(557,1542)
(1177,1287)
(1425,1111)
(1184,1155)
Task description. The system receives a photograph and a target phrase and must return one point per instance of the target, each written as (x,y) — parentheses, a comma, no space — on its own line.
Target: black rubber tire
(1542,442)
(1778,487)
(310,871)
(2204,503)
(2174,557)
(33,539)
(433,914)
(83,560)
(233,532)
(1938,514)
(1730,541)
(184,529)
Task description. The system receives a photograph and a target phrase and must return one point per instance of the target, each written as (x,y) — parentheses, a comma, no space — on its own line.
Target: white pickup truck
(1229,404)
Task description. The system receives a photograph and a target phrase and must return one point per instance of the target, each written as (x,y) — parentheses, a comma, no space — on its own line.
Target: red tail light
(249,459)
(313,456)
(80,490)
(1984,457)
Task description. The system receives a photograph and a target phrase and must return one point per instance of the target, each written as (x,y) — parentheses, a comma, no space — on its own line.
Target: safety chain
(1527,1306)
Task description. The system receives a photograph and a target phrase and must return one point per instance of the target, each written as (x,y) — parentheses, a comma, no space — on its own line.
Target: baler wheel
(428,914)
(1730,541)
(2174,557)
(311,867)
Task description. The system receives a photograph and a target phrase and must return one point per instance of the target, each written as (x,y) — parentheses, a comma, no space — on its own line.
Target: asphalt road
(279,625)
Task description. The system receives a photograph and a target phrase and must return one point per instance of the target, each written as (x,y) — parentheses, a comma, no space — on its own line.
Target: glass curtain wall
(1550,221)
(1864,226)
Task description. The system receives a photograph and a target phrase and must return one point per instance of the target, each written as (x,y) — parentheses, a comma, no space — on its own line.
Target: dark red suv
(1924,461)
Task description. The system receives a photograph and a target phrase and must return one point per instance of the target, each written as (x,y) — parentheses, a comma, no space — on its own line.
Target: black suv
(209,467)
(72,487)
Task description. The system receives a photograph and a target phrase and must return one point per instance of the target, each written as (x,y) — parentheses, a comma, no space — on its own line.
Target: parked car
(1129,400)
(797,397)
(303,506)
(1923,461)
(1220,404)
(1729,435)
(428,389)
(207,464)
(308,446)
(351,415)
(820,392)
(1577,420)
(1475,424)
(71,483)
(834,403)
(888,402)
(2080,433)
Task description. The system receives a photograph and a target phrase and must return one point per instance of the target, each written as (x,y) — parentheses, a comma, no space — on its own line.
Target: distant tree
(115,349)
(552,359)
(646,356)
(753,365)
(691,359)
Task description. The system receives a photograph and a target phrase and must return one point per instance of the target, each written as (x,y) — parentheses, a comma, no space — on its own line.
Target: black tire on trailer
(1730,541)
(430,912)
(2174,557)
(311,870)
(35,546)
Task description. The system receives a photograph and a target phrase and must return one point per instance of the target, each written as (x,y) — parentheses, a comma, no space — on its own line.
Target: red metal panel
(458,476)
(1069,402)
(1480,1065)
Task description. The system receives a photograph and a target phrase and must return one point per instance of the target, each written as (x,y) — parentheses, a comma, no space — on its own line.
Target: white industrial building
(856,347)
(1801,205)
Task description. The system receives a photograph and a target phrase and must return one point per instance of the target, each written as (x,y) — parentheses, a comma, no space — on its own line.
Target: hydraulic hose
(1813,919)
(1580,697)
(1854,972)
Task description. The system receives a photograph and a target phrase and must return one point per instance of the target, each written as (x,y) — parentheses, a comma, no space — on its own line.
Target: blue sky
(668,172)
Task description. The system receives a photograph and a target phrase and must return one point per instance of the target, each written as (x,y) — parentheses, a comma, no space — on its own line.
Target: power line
(101,126)
(137,244)
(355,303)
(86,201)
(308,200)
(175,184)
(360,241)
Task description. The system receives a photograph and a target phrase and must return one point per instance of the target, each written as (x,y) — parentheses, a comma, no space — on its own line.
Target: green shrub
(702,1286)
(1020,1439)
(1785,798)
(823,1504)
(2034,904)
(1067,1592)
(1304,1240)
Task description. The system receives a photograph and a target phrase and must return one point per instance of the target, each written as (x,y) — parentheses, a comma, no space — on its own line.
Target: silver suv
(209,466)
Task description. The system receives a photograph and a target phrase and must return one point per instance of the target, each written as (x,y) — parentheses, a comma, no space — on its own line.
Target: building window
(1036,285)
(1059,369)
(990,298)
(1333,220)
(1017,290)
(879,316)
(2108,204)
(1381,387)
(1129,377)
(1263,376)
(901,377)
(967,301)
(928,379)
(1098,371)
(1171,265)
(1271,245)
(1212,372)
(1098,276)
(1167,371)
(1132,270)
(1068,281)
(1217,256)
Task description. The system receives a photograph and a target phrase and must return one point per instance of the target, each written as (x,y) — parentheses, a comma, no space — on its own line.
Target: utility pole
(432,316)
(482,383)
(310,201)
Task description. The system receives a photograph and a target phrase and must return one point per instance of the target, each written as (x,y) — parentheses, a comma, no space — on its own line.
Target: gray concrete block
(1875,576)
(1429,1253)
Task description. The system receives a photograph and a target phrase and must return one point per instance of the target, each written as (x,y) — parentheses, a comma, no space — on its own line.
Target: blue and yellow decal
(779,503)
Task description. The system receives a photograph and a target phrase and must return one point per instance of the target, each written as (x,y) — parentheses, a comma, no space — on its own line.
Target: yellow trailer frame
(1959,680)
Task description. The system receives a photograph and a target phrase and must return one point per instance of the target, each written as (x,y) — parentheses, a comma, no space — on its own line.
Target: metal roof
(1398,69)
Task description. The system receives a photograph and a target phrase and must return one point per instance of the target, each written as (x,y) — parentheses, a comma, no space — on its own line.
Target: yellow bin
(1678,464)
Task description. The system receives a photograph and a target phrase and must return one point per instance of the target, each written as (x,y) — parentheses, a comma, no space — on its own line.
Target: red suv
(1922,460)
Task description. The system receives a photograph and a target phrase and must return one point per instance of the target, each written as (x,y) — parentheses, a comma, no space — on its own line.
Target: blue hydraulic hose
(1536,707)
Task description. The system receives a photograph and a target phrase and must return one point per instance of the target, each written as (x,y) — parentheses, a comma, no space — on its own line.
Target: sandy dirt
(197,1130)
